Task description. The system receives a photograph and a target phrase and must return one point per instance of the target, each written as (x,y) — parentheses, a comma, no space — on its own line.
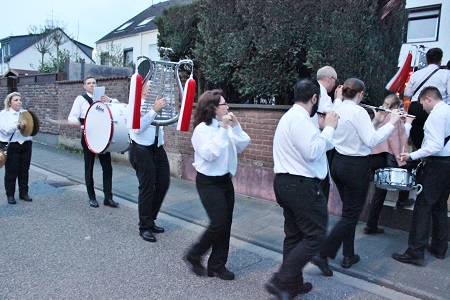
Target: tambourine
(32,123)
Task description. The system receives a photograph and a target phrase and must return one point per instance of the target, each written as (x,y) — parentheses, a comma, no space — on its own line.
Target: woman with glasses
(217,138)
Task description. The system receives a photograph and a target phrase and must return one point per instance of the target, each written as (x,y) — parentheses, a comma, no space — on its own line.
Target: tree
(113,56)
(42,41)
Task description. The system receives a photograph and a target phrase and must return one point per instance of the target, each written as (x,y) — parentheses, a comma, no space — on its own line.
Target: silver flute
(387,110)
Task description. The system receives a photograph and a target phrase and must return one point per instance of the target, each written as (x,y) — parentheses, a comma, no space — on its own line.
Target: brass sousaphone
(32,123)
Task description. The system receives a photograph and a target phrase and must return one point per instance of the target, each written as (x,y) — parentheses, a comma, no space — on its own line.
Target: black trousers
(217,196)
(153,173)
(378,161)
(351,176)
(305,225)
(417,134)
(430,210)
(105,161)
(17,167)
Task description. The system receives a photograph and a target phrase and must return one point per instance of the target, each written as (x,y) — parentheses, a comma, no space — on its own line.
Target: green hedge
(258,49)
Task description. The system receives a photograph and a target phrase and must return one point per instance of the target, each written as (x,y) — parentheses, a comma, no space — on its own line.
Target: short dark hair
(89,77)
(432,92)
(434,56)
(305,89)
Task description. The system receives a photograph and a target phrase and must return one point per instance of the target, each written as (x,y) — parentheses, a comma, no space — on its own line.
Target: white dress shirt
(355,134)
(436,129)
(440,80)
(146,134)
(325,104)
(299,148)
(8,125)
(212,147)
(80,107)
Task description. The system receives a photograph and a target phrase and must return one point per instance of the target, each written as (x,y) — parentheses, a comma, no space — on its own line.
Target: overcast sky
(86,21)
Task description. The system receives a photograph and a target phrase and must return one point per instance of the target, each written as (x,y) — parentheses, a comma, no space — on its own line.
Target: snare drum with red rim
(105,128)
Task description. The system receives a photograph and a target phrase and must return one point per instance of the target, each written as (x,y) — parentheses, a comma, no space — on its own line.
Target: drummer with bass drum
(76,117)
(15,135)
(434,175)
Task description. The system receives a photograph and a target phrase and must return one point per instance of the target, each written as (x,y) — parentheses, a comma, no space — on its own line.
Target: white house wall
(30,58)
(443,41)
(140,44)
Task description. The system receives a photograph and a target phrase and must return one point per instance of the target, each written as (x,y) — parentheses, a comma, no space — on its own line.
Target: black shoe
(373,230)
(322,264)
(408,259)
(157,229)
(196,265)
(223,274)
(26,198)
(304,288)
(93,203)
(349,261)
(435,253)
(11,200)
(110,202)
(279,293)
(148,236)
(401,204)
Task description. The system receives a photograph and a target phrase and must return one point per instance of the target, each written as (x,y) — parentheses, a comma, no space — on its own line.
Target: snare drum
(105,128)
(395,179)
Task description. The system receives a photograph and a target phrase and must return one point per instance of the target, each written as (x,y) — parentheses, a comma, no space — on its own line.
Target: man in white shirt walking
(300,163)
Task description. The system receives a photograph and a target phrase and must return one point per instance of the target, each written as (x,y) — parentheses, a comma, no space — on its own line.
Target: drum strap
(446,140)
(426,79)
(88,99)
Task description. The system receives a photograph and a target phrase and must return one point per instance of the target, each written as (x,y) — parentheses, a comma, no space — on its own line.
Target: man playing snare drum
(434,175)
(76,116)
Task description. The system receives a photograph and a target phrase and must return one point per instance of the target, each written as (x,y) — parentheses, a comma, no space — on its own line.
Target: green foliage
(55,64)
(258,49)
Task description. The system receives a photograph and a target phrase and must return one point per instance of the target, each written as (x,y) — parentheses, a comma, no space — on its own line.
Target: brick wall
(255,172)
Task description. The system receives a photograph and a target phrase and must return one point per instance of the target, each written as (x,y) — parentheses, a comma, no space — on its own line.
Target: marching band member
(385,155)
(76,117)
(17,165)
(432,75)
(149,159)
(217,139)
(300,163)
(431,208)
(354,137)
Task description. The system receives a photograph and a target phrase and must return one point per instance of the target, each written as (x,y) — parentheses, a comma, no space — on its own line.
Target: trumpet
(404,115)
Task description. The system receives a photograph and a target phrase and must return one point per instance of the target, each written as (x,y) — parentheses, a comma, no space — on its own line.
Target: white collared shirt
(436,129)
(8,125)
(80,107)
(211,145)
(325,104)
(146,134)
(355,134)
(299,148)
(440,80)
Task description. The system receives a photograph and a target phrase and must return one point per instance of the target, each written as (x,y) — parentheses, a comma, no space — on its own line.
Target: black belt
(150,146)
(439,159)
(312,179)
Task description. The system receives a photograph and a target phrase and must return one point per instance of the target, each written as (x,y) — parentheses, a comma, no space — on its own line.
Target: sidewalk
(260,222)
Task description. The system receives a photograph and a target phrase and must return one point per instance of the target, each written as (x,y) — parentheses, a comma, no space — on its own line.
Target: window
(128,57)
(423,24)
(145,22)
(104,59)
(123,26)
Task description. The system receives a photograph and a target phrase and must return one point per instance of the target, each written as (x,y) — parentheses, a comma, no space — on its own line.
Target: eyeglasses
(223,103)
(334,78)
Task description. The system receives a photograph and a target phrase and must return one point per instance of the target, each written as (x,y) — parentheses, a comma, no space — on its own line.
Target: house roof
(142,22)
(20,72)
(19,43)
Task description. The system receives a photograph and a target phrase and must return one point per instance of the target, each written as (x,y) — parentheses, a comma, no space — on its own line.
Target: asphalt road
(57,247)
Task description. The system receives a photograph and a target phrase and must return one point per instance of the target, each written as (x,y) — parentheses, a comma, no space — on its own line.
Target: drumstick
(403,150)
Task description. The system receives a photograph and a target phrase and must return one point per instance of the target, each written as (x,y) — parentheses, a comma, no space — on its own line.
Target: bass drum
(105,128)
